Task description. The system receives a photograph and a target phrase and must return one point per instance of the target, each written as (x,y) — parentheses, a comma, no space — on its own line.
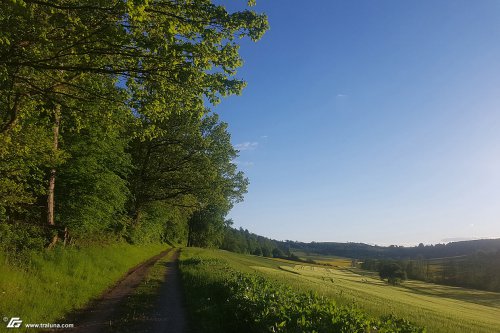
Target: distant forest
(472,264)
(361,250)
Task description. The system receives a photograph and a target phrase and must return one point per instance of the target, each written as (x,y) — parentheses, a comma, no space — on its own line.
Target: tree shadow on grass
(486,298)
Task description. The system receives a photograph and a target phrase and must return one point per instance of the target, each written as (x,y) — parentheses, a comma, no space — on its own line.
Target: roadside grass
(204,295)
(56,282)
(137,312)
(439,308)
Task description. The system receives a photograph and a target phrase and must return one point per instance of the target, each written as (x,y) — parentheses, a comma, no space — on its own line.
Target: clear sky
(371,121)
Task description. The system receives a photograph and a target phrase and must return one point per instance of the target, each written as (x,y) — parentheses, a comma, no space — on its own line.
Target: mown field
(324,259)
(436,307)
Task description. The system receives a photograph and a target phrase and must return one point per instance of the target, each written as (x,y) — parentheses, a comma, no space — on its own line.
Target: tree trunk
(137,216)
(52,178)
(190,236)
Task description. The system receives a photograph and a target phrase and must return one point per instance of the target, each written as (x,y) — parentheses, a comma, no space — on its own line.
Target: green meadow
(438,308)
(328,260)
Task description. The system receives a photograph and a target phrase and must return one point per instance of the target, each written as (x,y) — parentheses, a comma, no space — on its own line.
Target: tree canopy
(106,125)
(392,272)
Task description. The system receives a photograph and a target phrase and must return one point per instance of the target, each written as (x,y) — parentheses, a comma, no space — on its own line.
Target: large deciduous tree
(392,272)
(189,166)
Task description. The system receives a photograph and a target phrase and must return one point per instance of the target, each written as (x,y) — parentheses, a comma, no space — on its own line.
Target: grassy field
(226,292)
(58,281)
(324,259)
(439,308)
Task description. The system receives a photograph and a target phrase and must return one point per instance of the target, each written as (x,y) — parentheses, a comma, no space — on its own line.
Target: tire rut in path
(170,316)
(95,317)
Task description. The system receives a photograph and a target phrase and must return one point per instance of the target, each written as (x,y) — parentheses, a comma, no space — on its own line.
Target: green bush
(19,239)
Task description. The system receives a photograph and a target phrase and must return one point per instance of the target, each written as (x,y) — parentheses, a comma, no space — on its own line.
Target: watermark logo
(15,322)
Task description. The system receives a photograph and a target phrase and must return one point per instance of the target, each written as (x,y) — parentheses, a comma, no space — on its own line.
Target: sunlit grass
(225,292)
(325,259)
(58,281)
(437,307)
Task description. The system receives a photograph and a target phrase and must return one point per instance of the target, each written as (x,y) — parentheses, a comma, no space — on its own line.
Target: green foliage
(19,240)
(478,270)
(391,271)
(95,173)
(175,54)
(188,166)
(109,100)
(24,155)
(191,159)
(243,241)
(206,227)
(160,222)
(277,253)
(251,303)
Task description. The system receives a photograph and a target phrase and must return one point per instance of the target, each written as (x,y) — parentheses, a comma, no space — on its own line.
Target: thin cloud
(246,146)
(341,95)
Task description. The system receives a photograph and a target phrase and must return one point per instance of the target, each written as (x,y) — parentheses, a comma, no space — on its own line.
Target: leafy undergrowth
(221,299)
(55,282)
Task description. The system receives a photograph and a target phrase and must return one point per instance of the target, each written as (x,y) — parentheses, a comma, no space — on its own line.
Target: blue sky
(371,121)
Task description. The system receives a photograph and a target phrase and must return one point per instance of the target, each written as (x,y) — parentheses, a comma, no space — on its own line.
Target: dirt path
(169,316)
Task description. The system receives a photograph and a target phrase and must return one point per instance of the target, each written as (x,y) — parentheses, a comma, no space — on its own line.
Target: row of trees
(479,270)
(242,241)
(105,126)
(361,250)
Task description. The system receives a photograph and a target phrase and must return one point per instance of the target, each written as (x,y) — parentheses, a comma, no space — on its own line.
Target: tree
(266,251)
(391,271)
(206,227)
(24,155)
(170,167)
(95,171)
(257,251)
(189,166)
(193,160)
(277,253)
(168,53)
(60,58)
